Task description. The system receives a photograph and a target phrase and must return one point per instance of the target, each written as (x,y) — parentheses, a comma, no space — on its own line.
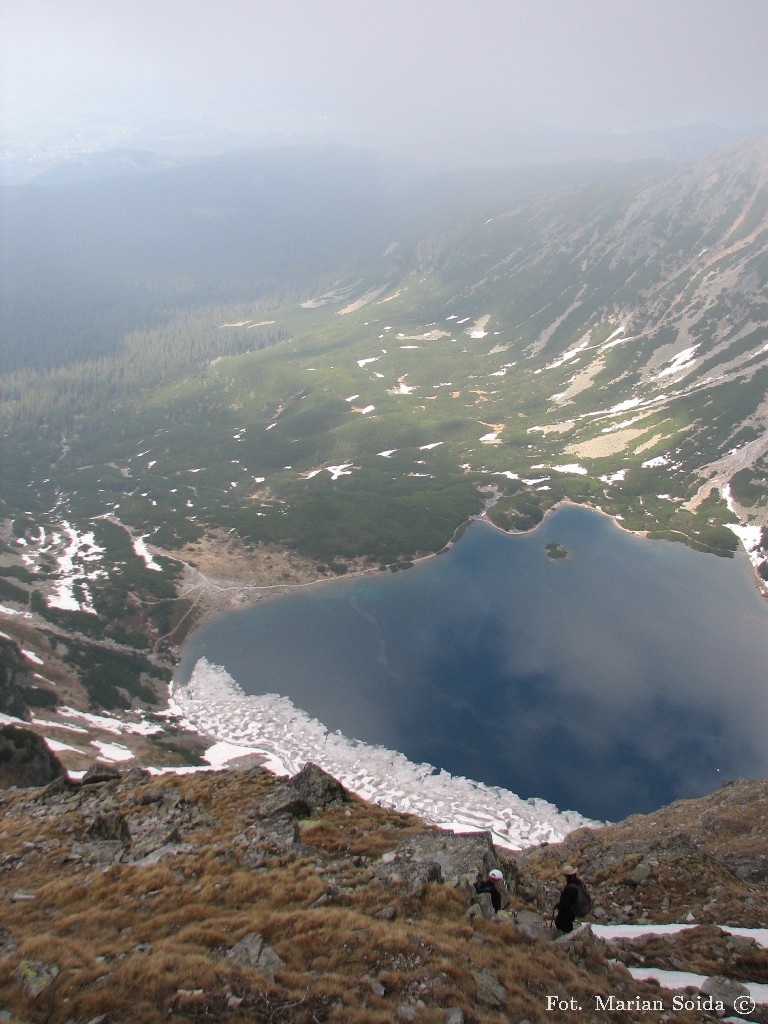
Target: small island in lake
(555,550)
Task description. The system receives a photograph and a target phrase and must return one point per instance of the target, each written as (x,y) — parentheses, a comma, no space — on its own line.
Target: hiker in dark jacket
(492,885)
(565,908)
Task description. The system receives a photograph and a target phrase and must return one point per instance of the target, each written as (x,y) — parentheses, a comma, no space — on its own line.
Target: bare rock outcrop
(25,760)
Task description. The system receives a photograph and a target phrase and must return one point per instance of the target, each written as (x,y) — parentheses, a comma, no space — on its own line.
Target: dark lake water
(630,674)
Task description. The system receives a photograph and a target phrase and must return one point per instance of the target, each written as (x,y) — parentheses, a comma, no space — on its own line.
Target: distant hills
(99,148)
(81,167)
(316,351)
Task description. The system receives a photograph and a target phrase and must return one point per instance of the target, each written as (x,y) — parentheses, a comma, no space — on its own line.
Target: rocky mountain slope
(238,896)
(699,856)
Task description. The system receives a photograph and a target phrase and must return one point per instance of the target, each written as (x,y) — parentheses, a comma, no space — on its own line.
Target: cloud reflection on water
(628,675)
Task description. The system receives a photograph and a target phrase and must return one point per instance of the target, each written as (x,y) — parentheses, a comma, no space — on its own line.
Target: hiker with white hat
(492,885)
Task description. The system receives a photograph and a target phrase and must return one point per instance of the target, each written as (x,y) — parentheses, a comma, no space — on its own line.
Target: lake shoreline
(216,591)
(213,595)
(377,656)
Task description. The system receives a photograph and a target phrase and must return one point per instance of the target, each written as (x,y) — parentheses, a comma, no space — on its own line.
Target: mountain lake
(610,679)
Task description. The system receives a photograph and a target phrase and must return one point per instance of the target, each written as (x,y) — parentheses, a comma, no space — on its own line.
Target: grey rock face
(482,906)
(109,825)
(751,867)
(286,799)
(7,943)
(318,788)
(533,925)
(454,1015)
(410,876)
(98,773)
(252,951)
(724,989)
(490,991)
(461,856)
(35,976)
(279,830)
(25,760)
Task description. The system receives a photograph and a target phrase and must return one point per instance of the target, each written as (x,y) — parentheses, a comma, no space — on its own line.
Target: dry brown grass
(684,845)
(706,950)
(137,943)
(358,829)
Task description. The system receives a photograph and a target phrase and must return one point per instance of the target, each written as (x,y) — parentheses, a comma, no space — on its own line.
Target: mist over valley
(383,510)
(250,372)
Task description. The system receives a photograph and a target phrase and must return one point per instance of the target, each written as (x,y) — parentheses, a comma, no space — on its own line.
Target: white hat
(496,874)
(569,869)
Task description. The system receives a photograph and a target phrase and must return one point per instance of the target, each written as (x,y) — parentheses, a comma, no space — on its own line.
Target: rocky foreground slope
(239,896)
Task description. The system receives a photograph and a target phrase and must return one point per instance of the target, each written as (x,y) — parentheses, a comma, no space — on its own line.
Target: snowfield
(212,704)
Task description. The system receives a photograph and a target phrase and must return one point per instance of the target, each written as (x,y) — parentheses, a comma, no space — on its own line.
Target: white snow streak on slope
(140,549)
(685,979)
(638,931)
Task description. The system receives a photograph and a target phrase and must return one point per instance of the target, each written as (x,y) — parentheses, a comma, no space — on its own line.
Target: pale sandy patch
(582,381)
(228,561)
(493,437)
(608,444)
(374,293)
(429,336)
(478,330)
(556,428)
(650,443)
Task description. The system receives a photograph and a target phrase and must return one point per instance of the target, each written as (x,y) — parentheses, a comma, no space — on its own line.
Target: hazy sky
(380,66)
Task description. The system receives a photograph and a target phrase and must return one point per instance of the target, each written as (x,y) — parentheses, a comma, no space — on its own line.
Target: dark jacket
(488,886)
(566,905)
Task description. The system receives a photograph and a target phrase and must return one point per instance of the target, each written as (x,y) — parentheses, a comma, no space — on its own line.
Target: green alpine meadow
(304,353)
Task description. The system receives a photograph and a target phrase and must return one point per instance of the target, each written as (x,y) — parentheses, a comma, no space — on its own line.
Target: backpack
(583,903)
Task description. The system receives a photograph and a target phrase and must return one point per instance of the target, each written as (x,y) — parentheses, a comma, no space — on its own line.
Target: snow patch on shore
(140,727)
(750,535)
(140,549)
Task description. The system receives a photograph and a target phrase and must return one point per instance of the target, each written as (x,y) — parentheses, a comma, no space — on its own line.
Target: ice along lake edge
(628,674)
